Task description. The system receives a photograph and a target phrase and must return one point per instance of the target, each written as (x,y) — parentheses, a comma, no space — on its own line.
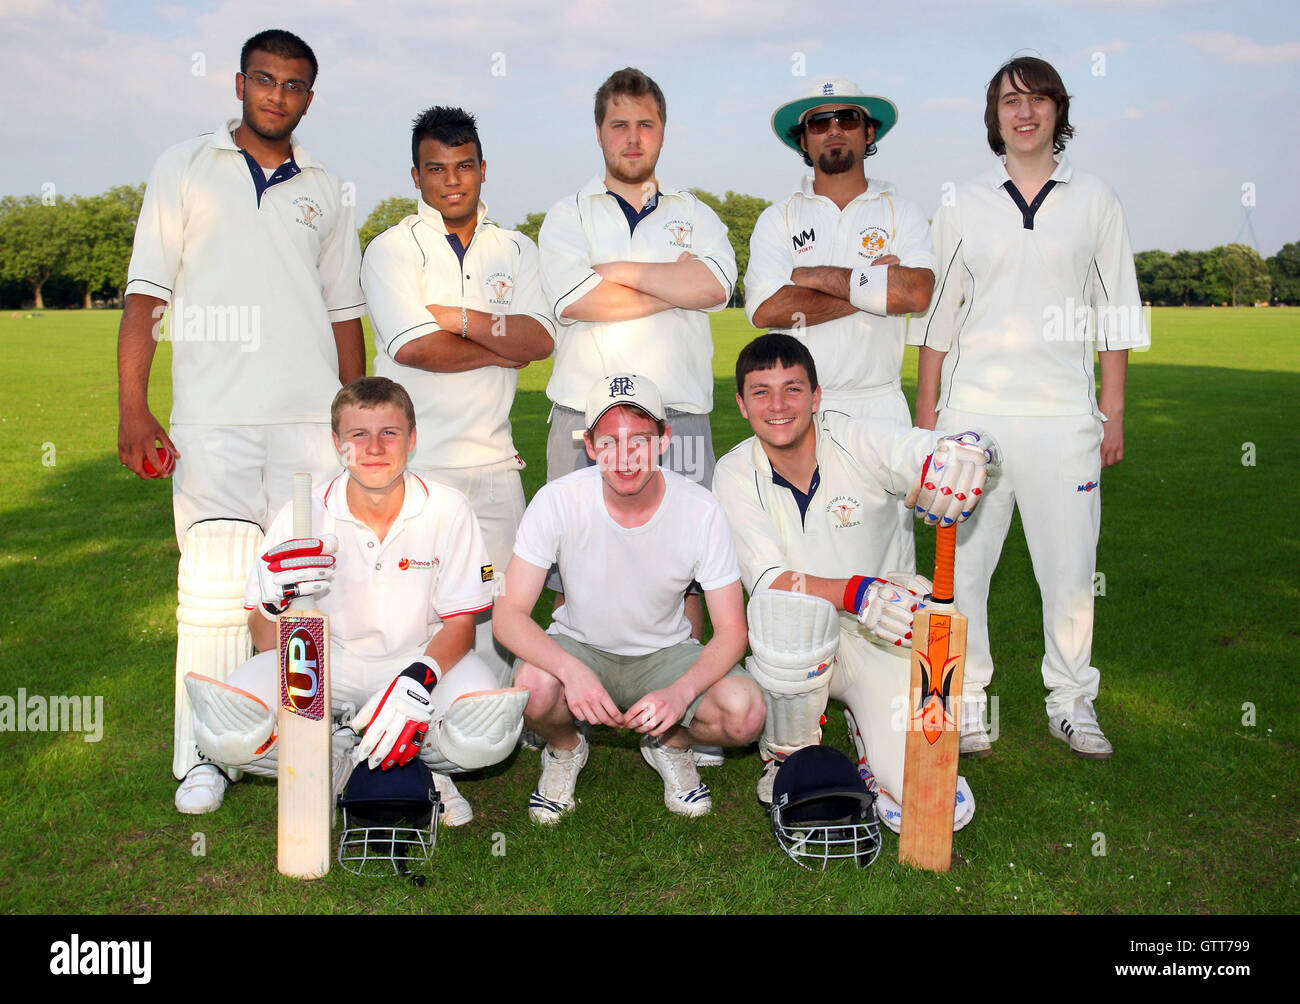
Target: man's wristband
(424,671)
(854,591)
(869,289)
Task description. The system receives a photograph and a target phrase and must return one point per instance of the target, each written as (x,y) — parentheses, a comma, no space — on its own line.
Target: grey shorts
(628,678)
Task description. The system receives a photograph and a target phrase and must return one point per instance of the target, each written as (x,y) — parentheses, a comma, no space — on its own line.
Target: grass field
(1197,813)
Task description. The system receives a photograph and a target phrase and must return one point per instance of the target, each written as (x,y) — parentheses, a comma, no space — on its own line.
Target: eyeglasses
(262,82)
(847,119)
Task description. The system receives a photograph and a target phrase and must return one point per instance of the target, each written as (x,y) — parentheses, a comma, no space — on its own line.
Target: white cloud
(1239,49)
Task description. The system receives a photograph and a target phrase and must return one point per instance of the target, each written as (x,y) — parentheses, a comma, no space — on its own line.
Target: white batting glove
(952,478)
(396,718)
(300,567)
(889,604)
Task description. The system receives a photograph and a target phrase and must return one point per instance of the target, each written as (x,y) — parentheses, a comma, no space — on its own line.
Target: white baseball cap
(624,388)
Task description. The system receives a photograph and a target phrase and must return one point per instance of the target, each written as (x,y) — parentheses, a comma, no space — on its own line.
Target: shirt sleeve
(537,540)
(1112,286)
(464,568)
(718,565)
(159,231)
(339,263)
(565,258)
(769,259)
(390,277)
(713,247)
(890,453)
(759,548)
(912,241)
(529,297)
(951,301)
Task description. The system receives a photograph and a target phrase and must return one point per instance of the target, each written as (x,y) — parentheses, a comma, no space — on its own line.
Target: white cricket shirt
(859,352)
(674,348)
(463,419)
(253,285)
(390,597)
(866,467)
(1019,311)
(624,589)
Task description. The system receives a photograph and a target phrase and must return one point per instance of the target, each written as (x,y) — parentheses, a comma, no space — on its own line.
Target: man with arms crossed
(811,499)
(246,237)
(841,261)
(401,571)
(630,267)
(458,308)
(628,538)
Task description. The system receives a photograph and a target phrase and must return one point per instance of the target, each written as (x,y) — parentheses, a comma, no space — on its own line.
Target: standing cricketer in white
(1035,273)
(842,261)
(458,310)
(249,242)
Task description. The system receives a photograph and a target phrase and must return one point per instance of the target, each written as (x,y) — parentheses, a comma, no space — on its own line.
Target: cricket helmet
(822,811)
(390,818)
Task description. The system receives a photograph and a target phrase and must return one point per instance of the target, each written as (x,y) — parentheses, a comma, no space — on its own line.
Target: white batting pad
(212,636)
(231,726)
(477,730)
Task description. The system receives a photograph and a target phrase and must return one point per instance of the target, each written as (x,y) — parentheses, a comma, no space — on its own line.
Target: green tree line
(73,250)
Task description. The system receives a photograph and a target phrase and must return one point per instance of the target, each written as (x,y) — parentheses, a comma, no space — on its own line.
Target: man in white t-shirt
(248,242)
(401,570)
(628,538)
(842,261)
(458,309)
(631,268)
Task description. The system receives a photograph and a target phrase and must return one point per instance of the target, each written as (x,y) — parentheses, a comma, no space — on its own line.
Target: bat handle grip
(302,522)
(945,550)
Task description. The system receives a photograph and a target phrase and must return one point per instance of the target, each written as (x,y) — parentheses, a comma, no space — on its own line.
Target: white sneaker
(767,779)
(455,808)
(684,792)
(975,742)
(708,756)
(202,790)
(1082,732)
(891,813)
(554,794)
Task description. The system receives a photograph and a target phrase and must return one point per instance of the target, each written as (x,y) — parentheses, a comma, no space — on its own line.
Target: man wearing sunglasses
(246,243)
(839,262)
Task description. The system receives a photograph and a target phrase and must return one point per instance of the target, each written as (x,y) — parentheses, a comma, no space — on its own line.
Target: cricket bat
(303,778)
(933,732)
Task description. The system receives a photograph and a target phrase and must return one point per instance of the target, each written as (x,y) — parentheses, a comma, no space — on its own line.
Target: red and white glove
(952,478)
(885,607)
(396,718)
(300,567)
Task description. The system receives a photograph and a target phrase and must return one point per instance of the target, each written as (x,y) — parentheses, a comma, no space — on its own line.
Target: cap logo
(828,88)
(621,387)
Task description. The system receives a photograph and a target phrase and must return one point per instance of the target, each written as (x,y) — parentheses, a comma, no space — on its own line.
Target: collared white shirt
(462,419)
(1012,305)
(253,285)
(674,348)
(389,597)
(850,528)
(859,352)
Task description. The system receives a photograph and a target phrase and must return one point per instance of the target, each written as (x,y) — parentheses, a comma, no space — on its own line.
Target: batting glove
(300,567)
(885,607)
(395,720)
(953,477)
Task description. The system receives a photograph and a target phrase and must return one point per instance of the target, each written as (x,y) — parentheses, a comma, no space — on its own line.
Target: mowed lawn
(1196,639)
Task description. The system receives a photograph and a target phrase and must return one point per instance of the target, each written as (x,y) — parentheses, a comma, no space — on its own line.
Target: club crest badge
(309,212)
(846,511)
(500,287)
(679,233)
(873,242)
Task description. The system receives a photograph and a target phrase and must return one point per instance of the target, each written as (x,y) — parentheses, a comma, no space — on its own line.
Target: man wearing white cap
(839,262)
(628,539)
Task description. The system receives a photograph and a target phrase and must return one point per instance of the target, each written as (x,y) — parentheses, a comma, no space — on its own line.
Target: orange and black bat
(933,734)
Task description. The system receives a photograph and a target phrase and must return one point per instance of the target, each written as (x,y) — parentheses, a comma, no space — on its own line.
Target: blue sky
(1178,104)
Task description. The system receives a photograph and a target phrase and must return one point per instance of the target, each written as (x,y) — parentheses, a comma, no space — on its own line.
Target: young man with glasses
(839,262)
(248,243)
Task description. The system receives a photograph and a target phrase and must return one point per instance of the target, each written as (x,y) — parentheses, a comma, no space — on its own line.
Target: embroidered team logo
(1088,486)
(500,286)
(804,240)
(847,511)
(622,387)
(873,242)
(406,564)
(486,572)
(308,211)
(680,233)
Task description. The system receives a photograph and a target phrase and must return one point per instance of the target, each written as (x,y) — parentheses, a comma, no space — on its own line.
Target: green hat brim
(787,116)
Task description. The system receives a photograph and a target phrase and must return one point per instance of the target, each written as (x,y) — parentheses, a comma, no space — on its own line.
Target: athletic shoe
(708,756)
(554,794)
(891,813)
(455,808)
(766,780)
(202,790)
(975,742)
(1082,732)
(684,792)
